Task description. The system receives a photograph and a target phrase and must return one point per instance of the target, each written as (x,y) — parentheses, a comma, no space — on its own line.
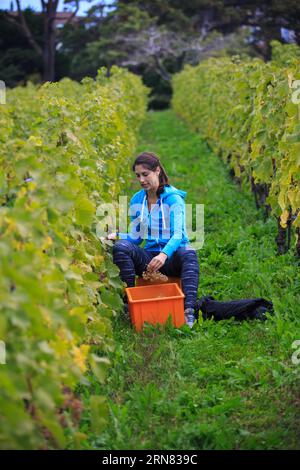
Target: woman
(157,214)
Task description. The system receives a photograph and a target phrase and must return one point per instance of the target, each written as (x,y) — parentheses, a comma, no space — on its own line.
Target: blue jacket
(164,227)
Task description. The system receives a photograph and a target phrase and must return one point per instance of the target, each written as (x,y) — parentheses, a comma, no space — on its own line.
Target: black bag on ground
(238,309)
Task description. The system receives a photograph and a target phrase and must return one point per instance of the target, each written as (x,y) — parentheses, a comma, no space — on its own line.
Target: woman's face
(149,180)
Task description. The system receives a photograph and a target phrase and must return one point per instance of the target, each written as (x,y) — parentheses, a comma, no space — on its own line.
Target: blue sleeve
(177,219)
(133,235)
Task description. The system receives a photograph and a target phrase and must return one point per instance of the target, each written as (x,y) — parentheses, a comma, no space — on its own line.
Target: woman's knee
(188,257)
(123,246)
(187,254)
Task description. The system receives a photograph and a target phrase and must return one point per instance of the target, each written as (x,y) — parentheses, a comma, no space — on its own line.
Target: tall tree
(18,60)
(225,16)
(46,50)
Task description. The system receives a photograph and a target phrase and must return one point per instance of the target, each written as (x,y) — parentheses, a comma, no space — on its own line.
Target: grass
(222,385)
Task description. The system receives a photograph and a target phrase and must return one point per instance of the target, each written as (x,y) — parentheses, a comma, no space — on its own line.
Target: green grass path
(222,385)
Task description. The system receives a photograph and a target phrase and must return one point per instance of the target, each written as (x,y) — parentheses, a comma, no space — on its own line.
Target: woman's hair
(151,161)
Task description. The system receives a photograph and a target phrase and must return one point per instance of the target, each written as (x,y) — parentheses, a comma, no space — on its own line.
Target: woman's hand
(112,236)
(157,262)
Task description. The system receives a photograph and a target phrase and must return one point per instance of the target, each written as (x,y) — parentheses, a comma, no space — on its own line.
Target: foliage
(151,38)
(63,147)
(245,110)
(224,16)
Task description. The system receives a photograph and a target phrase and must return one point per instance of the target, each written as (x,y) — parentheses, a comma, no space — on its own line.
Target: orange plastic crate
(155,303)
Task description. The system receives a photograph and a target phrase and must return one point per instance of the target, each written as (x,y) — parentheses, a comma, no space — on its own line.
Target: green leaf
(99,413)
(100,367)
(84,212)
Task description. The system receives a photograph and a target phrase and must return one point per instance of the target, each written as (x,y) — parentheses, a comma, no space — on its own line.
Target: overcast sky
(36,5)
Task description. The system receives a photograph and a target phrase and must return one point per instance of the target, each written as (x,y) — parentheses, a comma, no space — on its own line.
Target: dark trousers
(132,260)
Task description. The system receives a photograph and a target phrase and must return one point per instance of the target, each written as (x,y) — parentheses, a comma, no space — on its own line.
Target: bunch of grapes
(154,276)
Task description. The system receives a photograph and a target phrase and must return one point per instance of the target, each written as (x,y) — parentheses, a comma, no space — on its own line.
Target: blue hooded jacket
(164,227)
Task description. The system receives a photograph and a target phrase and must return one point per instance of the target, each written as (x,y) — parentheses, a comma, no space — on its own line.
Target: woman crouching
(157,214)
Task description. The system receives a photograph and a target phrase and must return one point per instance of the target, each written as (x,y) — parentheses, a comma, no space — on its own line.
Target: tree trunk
(298,241)
(49,43)
(281,238)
